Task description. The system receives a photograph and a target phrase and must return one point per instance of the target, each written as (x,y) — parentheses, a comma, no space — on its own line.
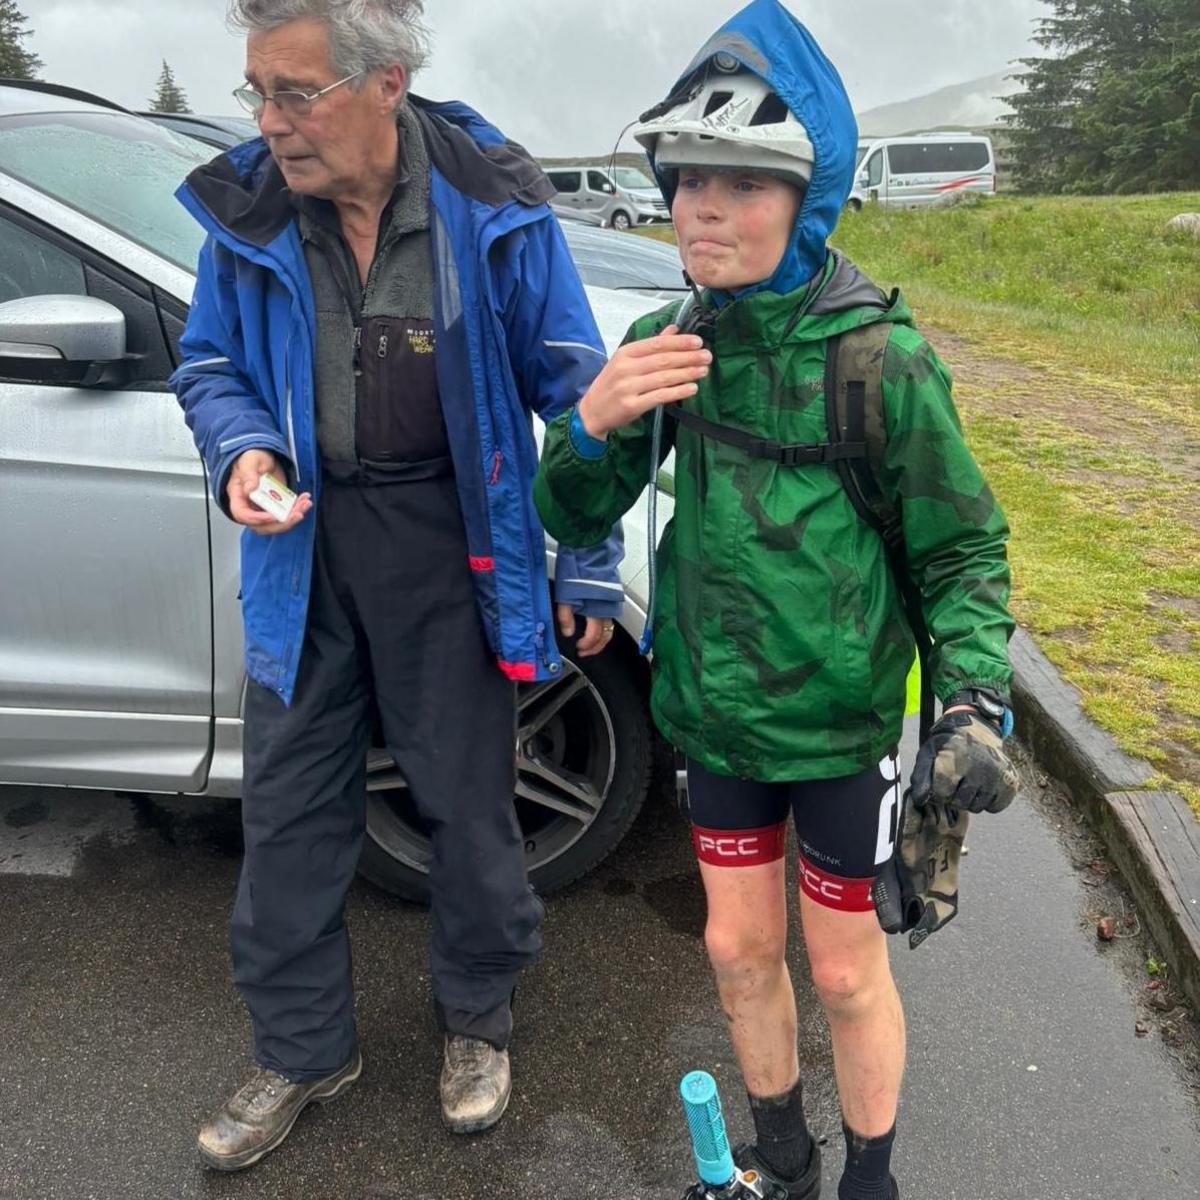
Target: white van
(925,168)
(621,198)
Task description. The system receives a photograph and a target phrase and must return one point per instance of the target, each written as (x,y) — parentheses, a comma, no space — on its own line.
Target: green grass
(1073,328)
(1095,281)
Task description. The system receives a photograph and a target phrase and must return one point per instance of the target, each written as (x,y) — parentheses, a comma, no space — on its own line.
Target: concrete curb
(1152,836)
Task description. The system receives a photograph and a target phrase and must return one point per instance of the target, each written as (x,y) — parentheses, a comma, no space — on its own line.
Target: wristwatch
(989,703)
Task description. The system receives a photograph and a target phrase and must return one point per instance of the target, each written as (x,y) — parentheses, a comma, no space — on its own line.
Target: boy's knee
(743,956)
(848,986)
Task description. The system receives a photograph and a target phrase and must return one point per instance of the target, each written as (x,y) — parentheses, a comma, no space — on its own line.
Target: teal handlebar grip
(710,1145)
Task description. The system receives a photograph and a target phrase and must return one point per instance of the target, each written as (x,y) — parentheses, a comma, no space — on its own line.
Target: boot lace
(262,1087)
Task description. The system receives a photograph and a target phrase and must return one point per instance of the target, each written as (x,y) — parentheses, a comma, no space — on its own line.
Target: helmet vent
(772,111)
(715,101)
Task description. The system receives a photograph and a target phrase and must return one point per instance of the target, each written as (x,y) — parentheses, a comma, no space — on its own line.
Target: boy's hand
(243,479)
(962,764)
(658,370)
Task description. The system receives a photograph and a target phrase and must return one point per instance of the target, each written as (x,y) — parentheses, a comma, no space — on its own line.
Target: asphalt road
(119,1028)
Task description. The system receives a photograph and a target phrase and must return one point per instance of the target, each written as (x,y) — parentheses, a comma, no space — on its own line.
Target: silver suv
(120,633)
(620,198)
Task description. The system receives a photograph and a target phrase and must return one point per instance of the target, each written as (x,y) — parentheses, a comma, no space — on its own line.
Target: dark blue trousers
(392,627)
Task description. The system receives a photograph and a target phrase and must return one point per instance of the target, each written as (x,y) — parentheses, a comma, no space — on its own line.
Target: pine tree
(168,96)
(15,61)
(1117,108)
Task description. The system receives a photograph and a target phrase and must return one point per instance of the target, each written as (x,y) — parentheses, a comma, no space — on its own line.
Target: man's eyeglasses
(291,103)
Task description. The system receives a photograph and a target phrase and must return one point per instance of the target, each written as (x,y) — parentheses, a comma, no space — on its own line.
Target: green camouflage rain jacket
(780,642)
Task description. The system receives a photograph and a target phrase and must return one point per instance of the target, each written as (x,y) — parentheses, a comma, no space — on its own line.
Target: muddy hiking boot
(769,1185)
(475,1086)
(260,1114)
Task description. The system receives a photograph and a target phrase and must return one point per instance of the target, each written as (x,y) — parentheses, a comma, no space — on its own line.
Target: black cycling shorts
(846,827)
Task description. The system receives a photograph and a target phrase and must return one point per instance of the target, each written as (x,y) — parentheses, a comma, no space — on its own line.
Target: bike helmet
(729,118)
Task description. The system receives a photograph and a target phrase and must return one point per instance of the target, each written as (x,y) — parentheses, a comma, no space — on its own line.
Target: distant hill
(971,105)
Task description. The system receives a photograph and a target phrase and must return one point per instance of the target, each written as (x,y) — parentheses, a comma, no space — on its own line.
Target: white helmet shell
(732,121)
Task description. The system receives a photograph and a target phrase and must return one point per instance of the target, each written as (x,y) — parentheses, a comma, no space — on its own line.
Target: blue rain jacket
(515,335)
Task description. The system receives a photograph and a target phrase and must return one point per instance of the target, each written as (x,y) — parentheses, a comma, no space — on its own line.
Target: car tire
(599,740)
(854,204)
(620,220)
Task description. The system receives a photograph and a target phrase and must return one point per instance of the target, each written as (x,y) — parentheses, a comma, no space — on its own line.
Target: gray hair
(364,35)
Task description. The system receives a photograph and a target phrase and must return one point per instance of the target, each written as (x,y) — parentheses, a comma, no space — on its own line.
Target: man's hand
(596,635)
(243,479)
(640,375)
(962,765)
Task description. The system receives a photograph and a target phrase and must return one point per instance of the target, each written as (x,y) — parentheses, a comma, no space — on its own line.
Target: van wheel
(854,204)
(584,756)
(621,221)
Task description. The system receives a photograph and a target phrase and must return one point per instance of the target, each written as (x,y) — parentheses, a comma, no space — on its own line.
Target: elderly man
(382,299)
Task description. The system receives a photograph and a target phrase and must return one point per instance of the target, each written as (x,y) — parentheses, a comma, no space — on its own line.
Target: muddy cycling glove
(962,763)
(916,890)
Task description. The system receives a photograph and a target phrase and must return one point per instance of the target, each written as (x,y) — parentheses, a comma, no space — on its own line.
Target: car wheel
(584,755)
(621,221)
(854,204)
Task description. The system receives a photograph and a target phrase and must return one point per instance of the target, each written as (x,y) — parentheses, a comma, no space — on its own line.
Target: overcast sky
(560,76)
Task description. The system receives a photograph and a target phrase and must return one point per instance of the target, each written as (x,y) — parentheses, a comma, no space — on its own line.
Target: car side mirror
(862,179)
(609,190)
(77,341)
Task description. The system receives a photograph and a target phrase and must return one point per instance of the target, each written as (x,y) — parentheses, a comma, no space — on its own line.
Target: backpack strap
(855,416)
(788,454)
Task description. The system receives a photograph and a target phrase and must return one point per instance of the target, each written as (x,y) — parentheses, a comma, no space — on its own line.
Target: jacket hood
(767,40)
(244,191)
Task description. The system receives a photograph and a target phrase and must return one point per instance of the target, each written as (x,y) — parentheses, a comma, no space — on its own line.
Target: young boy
(780,642)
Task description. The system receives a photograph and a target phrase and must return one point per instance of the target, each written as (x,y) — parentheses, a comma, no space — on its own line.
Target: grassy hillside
(1072,326)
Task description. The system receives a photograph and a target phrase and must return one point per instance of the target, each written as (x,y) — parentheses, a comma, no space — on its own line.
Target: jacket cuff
(606,609)
(582,442)
(592,598)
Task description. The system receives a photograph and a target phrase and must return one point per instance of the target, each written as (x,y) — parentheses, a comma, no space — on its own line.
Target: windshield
(119,170)
(632,177)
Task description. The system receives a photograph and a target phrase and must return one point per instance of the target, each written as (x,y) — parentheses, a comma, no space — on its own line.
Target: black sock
(781,1133)
(868,1162)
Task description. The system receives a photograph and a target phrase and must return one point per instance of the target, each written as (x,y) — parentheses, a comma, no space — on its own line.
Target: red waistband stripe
(835,891)
(739,847)
(482,564)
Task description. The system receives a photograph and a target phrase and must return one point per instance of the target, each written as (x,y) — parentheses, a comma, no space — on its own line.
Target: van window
(599,182)
(633,177)
(933,158)
(875,169)
(862,150)
(566,181)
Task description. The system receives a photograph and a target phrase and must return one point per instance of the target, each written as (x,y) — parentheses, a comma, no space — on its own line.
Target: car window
(933,158)
(118,169)
(32,267)
(875,169)
(566,181)
(598,181)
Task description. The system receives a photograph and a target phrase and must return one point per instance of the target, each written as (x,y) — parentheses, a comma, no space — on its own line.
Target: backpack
(857,441)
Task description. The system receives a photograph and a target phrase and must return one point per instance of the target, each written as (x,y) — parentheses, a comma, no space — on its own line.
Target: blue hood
(766,39)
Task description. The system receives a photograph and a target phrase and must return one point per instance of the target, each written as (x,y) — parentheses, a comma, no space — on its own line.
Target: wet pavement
(120,1029)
